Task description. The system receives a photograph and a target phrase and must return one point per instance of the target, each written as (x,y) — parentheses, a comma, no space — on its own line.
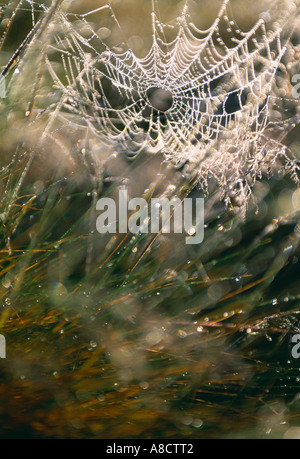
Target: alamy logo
(296,87)
(296,346)
(153,217)
(2,87)
(2,347)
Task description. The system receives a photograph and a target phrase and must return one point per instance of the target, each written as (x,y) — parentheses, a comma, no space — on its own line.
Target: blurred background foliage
(137,337)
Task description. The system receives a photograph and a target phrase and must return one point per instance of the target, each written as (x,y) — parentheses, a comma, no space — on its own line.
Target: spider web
(208,98)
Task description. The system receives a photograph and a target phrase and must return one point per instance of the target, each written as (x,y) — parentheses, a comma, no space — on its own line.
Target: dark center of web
(160,99)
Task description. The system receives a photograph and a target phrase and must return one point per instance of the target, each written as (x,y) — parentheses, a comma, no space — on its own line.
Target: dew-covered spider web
(217,99)
(134,334)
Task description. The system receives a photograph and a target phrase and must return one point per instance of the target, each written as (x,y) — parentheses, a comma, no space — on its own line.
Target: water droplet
(154,337)
(187,420)
(144,385)
(104,33)
(197,423)
(6,282)
(191,231)
(182,334)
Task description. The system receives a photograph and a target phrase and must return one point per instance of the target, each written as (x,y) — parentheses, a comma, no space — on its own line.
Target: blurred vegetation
(136,337)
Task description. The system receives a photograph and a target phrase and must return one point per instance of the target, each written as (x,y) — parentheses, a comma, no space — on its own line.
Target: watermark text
(2,347)
(295,341)
(2,87)
(296,87)
(139,216)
